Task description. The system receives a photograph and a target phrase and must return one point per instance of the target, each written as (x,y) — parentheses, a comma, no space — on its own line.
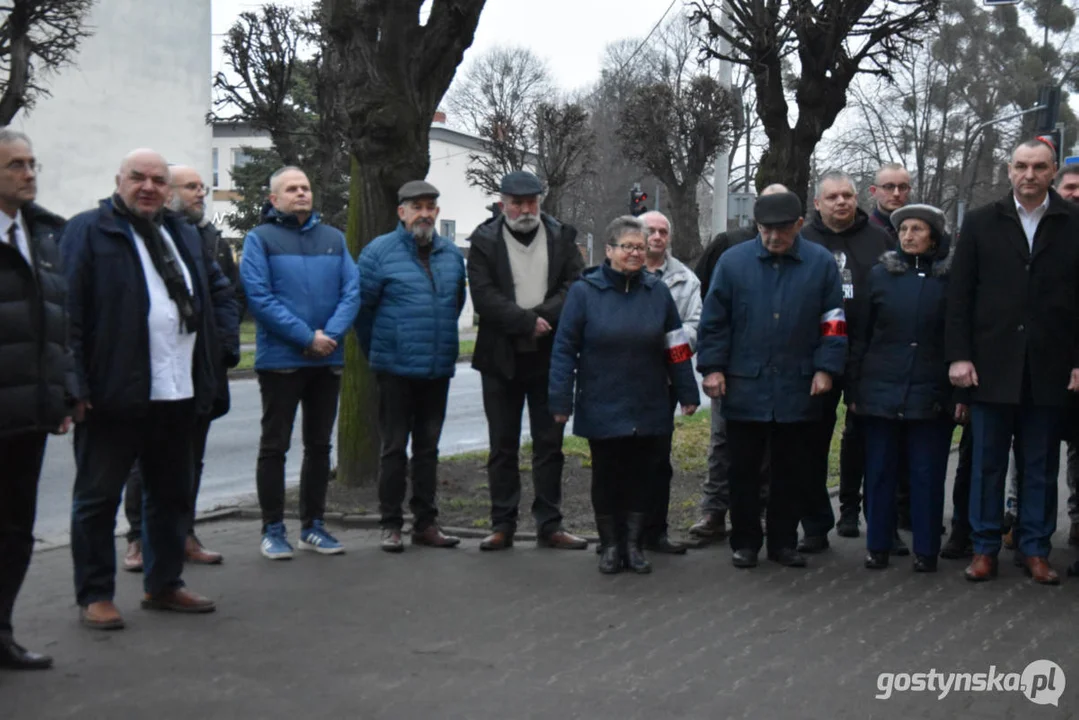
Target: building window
(215,167)
(448,229)
(239,158)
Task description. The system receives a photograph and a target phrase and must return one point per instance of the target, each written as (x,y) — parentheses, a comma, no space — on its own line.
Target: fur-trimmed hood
(898,262)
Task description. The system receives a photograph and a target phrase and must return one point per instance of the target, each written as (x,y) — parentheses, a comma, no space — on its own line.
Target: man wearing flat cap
(412,293)
(771,339)
(520,267)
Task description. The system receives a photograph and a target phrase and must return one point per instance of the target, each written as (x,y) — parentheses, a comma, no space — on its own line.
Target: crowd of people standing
(123,322)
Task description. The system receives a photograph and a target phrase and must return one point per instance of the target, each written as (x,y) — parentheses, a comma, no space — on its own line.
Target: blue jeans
(926,444)
(1037,434)
(104,452)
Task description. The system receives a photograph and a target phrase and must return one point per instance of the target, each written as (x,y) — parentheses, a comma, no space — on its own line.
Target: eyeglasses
(892,187)
(24,166)
(630,249)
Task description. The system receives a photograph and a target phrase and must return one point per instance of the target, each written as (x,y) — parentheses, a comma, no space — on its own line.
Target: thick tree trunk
(787,160)
(684,213)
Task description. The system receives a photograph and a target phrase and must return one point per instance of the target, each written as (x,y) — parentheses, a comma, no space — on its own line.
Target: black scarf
(165,262)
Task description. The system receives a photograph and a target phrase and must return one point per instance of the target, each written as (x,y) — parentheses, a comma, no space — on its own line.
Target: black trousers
(503,403)
(105,449)
(316,390)
(961,487)
(852,469)
(133,489)
(21,457)
(660,501)
(623,472)
(417,408)
(791,485)
(818,517)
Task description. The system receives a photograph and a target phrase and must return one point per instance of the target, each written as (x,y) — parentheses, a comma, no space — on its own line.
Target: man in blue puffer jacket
(413,292)
(304,291)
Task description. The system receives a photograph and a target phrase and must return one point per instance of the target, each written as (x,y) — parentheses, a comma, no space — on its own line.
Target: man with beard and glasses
(413,293)
(189,199)
(304,291)
(520,267)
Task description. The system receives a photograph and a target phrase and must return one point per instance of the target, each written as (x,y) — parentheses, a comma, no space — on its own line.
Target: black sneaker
(958,546)
(813,544)
(848,525)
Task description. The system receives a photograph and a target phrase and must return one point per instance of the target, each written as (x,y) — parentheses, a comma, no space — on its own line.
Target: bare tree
(37,37)
(506,84)
(565,150)
(832,40)
(386,70)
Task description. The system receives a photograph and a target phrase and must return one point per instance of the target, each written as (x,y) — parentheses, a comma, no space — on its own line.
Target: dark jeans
(926,445)
(1037,434)
(133,488)
(790,485)
(21,456)
(716,489)
(818,517)
(416,408)
(316,390)
(105,449)
(660,501)
(622,473)
(503,403)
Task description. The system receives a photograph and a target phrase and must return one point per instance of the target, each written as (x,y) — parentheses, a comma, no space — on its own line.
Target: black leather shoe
(15,657)
(787,558)
(899,548)
(664,544)
(848,525)
(876,560)
(744,558)
(957,547)
(813,544)
(925,563)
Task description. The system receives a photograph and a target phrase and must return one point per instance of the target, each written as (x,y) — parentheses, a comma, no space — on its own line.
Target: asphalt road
(233,447)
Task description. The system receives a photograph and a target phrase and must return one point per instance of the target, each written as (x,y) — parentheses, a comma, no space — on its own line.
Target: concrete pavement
(540,634)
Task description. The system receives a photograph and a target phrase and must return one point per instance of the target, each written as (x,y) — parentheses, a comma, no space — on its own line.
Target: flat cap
(777,209)
(521,183)
(932,217)
(416,189)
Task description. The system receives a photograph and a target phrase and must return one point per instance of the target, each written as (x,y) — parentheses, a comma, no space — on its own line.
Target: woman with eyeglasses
(620,341)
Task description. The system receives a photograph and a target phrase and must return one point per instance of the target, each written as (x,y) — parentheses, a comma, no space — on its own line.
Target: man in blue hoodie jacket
(303,289)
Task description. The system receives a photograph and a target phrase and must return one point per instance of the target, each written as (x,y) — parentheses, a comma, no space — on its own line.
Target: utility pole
(722,179)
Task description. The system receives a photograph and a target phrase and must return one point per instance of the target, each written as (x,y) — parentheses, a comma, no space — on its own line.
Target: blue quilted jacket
(298,279)
(407,324)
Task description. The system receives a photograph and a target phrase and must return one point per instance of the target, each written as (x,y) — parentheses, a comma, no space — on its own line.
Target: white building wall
(459,202)
(142,80)
(227,143)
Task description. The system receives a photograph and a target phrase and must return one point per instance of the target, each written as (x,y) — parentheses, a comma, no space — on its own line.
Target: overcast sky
(569,34)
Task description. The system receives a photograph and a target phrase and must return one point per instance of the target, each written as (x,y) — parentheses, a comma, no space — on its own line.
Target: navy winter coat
(298,279)
(407,324)
(621,339)
(769,323)
(897,365)
(108,304)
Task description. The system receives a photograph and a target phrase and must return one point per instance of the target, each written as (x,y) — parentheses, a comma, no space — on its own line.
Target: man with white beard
(520,266)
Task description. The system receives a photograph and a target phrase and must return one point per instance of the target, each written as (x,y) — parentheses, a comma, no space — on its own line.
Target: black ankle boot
(632,554)
(609,560)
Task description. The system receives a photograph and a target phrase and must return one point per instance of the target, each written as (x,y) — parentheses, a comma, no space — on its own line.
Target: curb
(249,373)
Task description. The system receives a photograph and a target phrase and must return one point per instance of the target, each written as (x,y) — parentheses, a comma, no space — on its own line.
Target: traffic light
(1046,119)
(637,200)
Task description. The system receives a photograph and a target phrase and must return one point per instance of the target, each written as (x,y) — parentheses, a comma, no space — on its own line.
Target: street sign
(1073,160)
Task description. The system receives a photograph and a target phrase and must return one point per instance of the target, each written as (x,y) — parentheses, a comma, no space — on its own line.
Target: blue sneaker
(316,538)
(274,543)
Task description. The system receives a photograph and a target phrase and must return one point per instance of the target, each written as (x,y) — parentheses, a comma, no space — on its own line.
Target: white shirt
(21,242)
(1031,219)
(172,348)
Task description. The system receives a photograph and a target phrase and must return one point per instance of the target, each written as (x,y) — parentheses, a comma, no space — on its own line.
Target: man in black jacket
(1012,337)
(844,228)
(35,371)
(520,267)
(148,310)
(189,200)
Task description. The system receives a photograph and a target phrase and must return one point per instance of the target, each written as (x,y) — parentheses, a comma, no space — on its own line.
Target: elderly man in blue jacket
(772,336)
(304,290)
(413,292)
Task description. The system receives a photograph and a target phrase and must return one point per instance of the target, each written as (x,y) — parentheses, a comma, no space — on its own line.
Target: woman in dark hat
(620,340)
(900,381)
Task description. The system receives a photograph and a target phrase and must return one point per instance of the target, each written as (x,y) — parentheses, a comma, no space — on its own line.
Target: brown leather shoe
(432,536)
(101,615)
(1040,571)
(133,558)
(561,540)
(981,568)
(710,526)
(195,553)
(498,540)
(180,600)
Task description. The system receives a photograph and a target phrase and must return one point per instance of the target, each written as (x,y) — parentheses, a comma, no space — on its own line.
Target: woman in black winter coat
(900,378)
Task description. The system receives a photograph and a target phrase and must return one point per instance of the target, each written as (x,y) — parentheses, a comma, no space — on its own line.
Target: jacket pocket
(746,369)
